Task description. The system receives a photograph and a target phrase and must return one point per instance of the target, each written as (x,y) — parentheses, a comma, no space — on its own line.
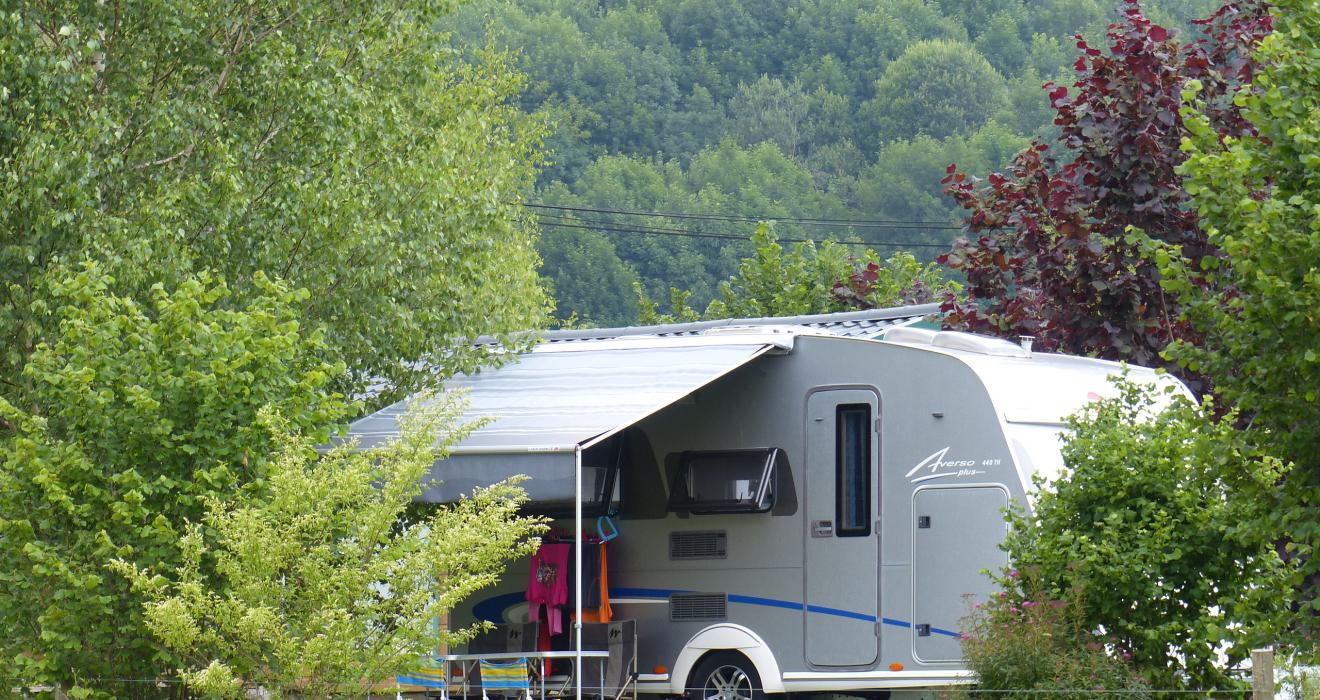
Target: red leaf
(1159,33)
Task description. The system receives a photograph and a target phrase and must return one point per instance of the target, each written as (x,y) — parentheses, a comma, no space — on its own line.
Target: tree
(341,148)
(589,281)
(937,88)
(323,585)
(1254,304)
(1001,43)
(772,110)
(811,279)
(1160,521)
(1053,256)
(137,416)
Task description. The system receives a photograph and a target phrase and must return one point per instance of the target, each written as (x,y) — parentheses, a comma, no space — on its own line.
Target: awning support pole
(577,567)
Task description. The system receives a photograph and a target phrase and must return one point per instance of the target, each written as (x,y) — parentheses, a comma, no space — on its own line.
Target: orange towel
(604,613)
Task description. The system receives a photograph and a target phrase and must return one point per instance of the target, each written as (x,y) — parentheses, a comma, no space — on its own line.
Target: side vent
(698,606)
(698,545)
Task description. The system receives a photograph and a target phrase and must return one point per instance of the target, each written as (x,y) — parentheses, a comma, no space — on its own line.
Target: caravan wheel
(725,675)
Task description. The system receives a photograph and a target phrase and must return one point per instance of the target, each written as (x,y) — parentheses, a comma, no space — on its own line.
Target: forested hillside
(836,117)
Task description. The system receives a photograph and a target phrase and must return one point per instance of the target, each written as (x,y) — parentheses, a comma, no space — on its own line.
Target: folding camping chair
(505,676)
(430,673)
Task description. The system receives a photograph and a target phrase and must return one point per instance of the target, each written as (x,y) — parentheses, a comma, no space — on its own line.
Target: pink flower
(1013,573)
(1014,610)
(1028,603)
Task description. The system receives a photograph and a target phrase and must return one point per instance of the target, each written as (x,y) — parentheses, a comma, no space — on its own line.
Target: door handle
(822,528)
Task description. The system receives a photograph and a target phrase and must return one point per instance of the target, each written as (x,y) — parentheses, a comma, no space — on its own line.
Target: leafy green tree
(1046,54)
(341,148)
(811,279)
(1257,198)
(698,121)
(590,282)
(1160,521)
(779,282)
(903,184)
(136,416)
(770,110)
(318,590)
(937,88)
(1001,43)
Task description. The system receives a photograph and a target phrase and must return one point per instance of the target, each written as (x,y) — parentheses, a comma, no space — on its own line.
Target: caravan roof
(577,388)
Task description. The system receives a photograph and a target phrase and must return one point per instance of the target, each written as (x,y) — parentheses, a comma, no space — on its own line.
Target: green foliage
(905,180)
(810,279)
(342,148)
(135,415)
(585,275)
(321,585)
(1257,198)
(1159,526)
(671,85)
(938,88)
(679,309)
(779,282)
(1025,642)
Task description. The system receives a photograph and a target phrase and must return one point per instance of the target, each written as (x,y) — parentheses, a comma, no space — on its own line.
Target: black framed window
(726,481)
(852,470)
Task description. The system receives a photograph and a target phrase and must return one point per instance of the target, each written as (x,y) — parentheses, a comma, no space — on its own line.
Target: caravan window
(726,481)
(852,469)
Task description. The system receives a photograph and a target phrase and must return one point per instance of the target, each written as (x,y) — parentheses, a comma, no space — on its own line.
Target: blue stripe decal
(767,602)
(492,609)
(841,613)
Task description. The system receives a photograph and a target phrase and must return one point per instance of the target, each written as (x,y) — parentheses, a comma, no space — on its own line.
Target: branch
(276,27)
(233,54)
(184,154)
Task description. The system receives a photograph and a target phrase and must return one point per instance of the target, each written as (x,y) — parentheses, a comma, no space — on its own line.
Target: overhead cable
(850,223)
(651,231)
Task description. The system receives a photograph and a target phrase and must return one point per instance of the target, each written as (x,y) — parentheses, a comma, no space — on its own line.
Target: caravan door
(842,558)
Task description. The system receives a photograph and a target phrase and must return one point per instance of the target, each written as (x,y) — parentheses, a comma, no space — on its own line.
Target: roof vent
(979,344)
(698,545)
(907,334)
(698,606)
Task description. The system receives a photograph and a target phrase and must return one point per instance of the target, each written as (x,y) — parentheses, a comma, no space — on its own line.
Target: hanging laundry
(596,592)
(547,585)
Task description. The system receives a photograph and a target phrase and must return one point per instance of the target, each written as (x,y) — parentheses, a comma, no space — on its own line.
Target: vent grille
(698,545)
(698,606)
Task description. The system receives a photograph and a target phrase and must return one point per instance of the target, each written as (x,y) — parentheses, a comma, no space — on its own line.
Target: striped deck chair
(430,673)
(508,676)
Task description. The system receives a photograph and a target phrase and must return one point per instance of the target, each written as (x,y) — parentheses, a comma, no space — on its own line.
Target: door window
(852,460)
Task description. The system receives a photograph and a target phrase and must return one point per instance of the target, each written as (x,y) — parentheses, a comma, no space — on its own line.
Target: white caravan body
(850,560)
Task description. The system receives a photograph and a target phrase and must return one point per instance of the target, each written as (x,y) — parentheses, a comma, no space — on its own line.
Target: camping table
(468,661)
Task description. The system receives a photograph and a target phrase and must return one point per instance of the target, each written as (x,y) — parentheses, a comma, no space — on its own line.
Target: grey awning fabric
(548,402)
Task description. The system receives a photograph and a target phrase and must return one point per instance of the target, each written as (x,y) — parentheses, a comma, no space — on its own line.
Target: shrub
(1024,641)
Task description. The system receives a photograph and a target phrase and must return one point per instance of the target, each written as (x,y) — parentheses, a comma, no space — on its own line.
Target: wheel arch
(727,637)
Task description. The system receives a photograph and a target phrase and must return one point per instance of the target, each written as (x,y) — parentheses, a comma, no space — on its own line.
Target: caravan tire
(725,675)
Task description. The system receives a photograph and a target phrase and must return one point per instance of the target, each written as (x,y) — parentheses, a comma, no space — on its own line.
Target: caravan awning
(561,396)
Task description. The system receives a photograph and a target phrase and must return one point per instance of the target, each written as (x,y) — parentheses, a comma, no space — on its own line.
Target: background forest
(838,117)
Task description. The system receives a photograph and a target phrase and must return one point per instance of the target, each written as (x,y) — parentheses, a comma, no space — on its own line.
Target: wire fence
(134,688)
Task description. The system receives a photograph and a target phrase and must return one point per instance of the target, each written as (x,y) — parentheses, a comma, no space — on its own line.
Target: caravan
(791,505)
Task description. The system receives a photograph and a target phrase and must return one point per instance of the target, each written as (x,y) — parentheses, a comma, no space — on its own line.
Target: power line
(851,223)
(727,236)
